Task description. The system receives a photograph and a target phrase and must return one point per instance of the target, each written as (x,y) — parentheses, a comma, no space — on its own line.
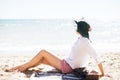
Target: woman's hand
(106,75)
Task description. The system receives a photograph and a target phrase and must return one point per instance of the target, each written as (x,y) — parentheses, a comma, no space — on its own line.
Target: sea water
(29,36)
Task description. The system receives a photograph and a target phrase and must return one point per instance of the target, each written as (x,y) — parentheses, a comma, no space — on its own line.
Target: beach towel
(49,75)
(53,76)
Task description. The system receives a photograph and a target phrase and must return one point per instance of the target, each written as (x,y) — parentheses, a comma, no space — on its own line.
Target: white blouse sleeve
(93,53)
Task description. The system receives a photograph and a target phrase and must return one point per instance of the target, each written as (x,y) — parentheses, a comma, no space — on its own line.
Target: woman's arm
(101,69)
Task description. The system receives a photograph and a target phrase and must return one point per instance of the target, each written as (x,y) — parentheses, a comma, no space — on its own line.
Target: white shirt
(81,52)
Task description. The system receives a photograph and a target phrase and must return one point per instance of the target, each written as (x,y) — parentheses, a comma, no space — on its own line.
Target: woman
(78,58)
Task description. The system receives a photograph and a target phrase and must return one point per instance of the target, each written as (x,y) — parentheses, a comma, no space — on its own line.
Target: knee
(43,51)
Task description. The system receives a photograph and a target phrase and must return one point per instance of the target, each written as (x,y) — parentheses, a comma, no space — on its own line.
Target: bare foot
(20,68)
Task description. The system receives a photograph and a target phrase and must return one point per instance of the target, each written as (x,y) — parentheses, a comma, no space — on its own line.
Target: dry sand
(111,63)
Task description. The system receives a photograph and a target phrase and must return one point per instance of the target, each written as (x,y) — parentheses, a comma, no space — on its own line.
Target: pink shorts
(65,67)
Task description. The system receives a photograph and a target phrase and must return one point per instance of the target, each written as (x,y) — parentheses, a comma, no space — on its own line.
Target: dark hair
(83,28)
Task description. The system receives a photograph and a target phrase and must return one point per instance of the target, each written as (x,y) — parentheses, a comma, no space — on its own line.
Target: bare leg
(43,57)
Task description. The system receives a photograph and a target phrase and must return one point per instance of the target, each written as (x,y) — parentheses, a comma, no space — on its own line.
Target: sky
(68,9)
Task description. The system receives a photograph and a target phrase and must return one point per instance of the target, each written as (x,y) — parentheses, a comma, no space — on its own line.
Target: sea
(29,36)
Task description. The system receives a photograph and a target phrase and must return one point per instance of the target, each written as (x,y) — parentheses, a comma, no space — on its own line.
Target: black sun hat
(83,28)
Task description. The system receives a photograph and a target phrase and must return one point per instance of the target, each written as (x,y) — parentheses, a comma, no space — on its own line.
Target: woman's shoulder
(84,40)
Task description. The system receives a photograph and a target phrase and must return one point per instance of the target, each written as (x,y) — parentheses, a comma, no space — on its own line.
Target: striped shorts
(65,67)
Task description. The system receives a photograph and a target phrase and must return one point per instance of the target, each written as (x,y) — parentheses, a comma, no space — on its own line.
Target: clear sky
(37,9)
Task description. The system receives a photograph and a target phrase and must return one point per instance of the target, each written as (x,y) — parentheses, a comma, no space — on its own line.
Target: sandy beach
(111,63)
